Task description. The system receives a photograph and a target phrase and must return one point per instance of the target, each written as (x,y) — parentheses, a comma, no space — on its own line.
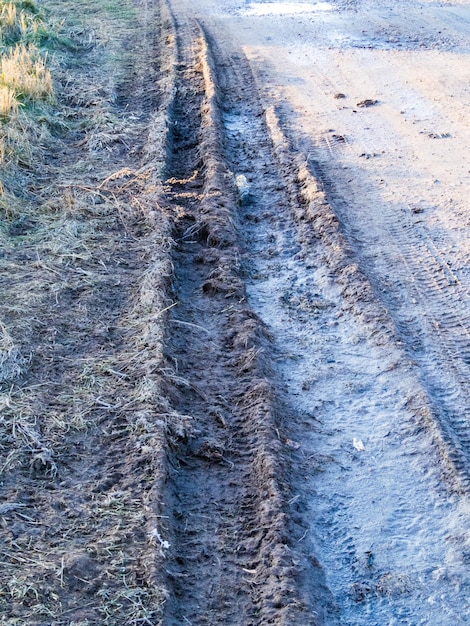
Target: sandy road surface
(364,290)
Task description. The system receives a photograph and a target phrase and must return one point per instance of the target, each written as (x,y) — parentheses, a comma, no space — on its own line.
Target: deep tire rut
(367,469)
(231,562)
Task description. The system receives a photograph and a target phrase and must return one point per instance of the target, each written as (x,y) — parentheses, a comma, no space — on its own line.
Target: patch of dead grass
(84,293)
(12,362)
(24,72)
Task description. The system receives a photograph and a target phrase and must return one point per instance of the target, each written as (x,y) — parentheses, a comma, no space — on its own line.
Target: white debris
(156,537)
(358,445)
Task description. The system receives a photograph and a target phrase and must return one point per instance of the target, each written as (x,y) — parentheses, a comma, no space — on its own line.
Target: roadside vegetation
(24,77)
(84,269)
(26,93)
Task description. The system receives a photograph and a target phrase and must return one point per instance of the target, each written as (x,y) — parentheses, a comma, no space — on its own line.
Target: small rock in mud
(368,102)
(208,449)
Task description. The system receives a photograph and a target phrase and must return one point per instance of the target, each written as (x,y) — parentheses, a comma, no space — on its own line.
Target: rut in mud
(230,558)
(371,482)
(224,418)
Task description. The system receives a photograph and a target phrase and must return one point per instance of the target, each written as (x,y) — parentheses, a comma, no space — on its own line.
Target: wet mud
(247,420)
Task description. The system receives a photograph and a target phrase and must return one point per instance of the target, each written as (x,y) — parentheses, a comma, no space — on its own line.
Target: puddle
(287,8)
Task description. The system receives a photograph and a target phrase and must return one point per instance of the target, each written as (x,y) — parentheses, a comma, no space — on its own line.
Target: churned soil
(235,321)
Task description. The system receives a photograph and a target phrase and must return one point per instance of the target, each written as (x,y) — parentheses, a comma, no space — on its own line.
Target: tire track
(367,486)
(230,559)
(426,298)
(428,301)
(429,306)
(442,323)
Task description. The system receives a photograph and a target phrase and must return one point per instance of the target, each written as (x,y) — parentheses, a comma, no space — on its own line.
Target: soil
(235,322)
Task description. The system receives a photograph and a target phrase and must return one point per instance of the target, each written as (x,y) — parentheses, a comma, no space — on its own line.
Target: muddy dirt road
(235,324)
(343,132)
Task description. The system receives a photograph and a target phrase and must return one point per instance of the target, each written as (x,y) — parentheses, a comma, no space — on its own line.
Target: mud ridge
(230,558)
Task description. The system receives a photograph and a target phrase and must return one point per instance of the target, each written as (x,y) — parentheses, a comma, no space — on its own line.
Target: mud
(371,459)
(231,559)
(246,397)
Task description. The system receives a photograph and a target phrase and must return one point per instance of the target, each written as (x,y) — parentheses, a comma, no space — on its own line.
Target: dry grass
(12,361)
(24,76)
(84,275)
(24,72)
(8,102)
(26,92)
(22,20)
(13,24)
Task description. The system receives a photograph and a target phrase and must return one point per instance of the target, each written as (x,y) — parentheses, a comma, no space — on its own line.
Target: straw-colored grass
(24,75)
(84,293)
(26,90)
(11,359)
(8,16)
(24,72)
(8,102)
(21,20)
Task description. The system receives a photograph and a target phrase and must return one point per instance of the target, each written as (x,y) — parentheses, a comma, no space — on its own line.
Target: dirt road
(343,129)
(235,325)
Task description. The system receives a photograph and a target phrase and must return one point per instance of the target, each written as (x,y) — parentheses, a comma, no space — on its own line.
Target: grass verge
(84,268)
